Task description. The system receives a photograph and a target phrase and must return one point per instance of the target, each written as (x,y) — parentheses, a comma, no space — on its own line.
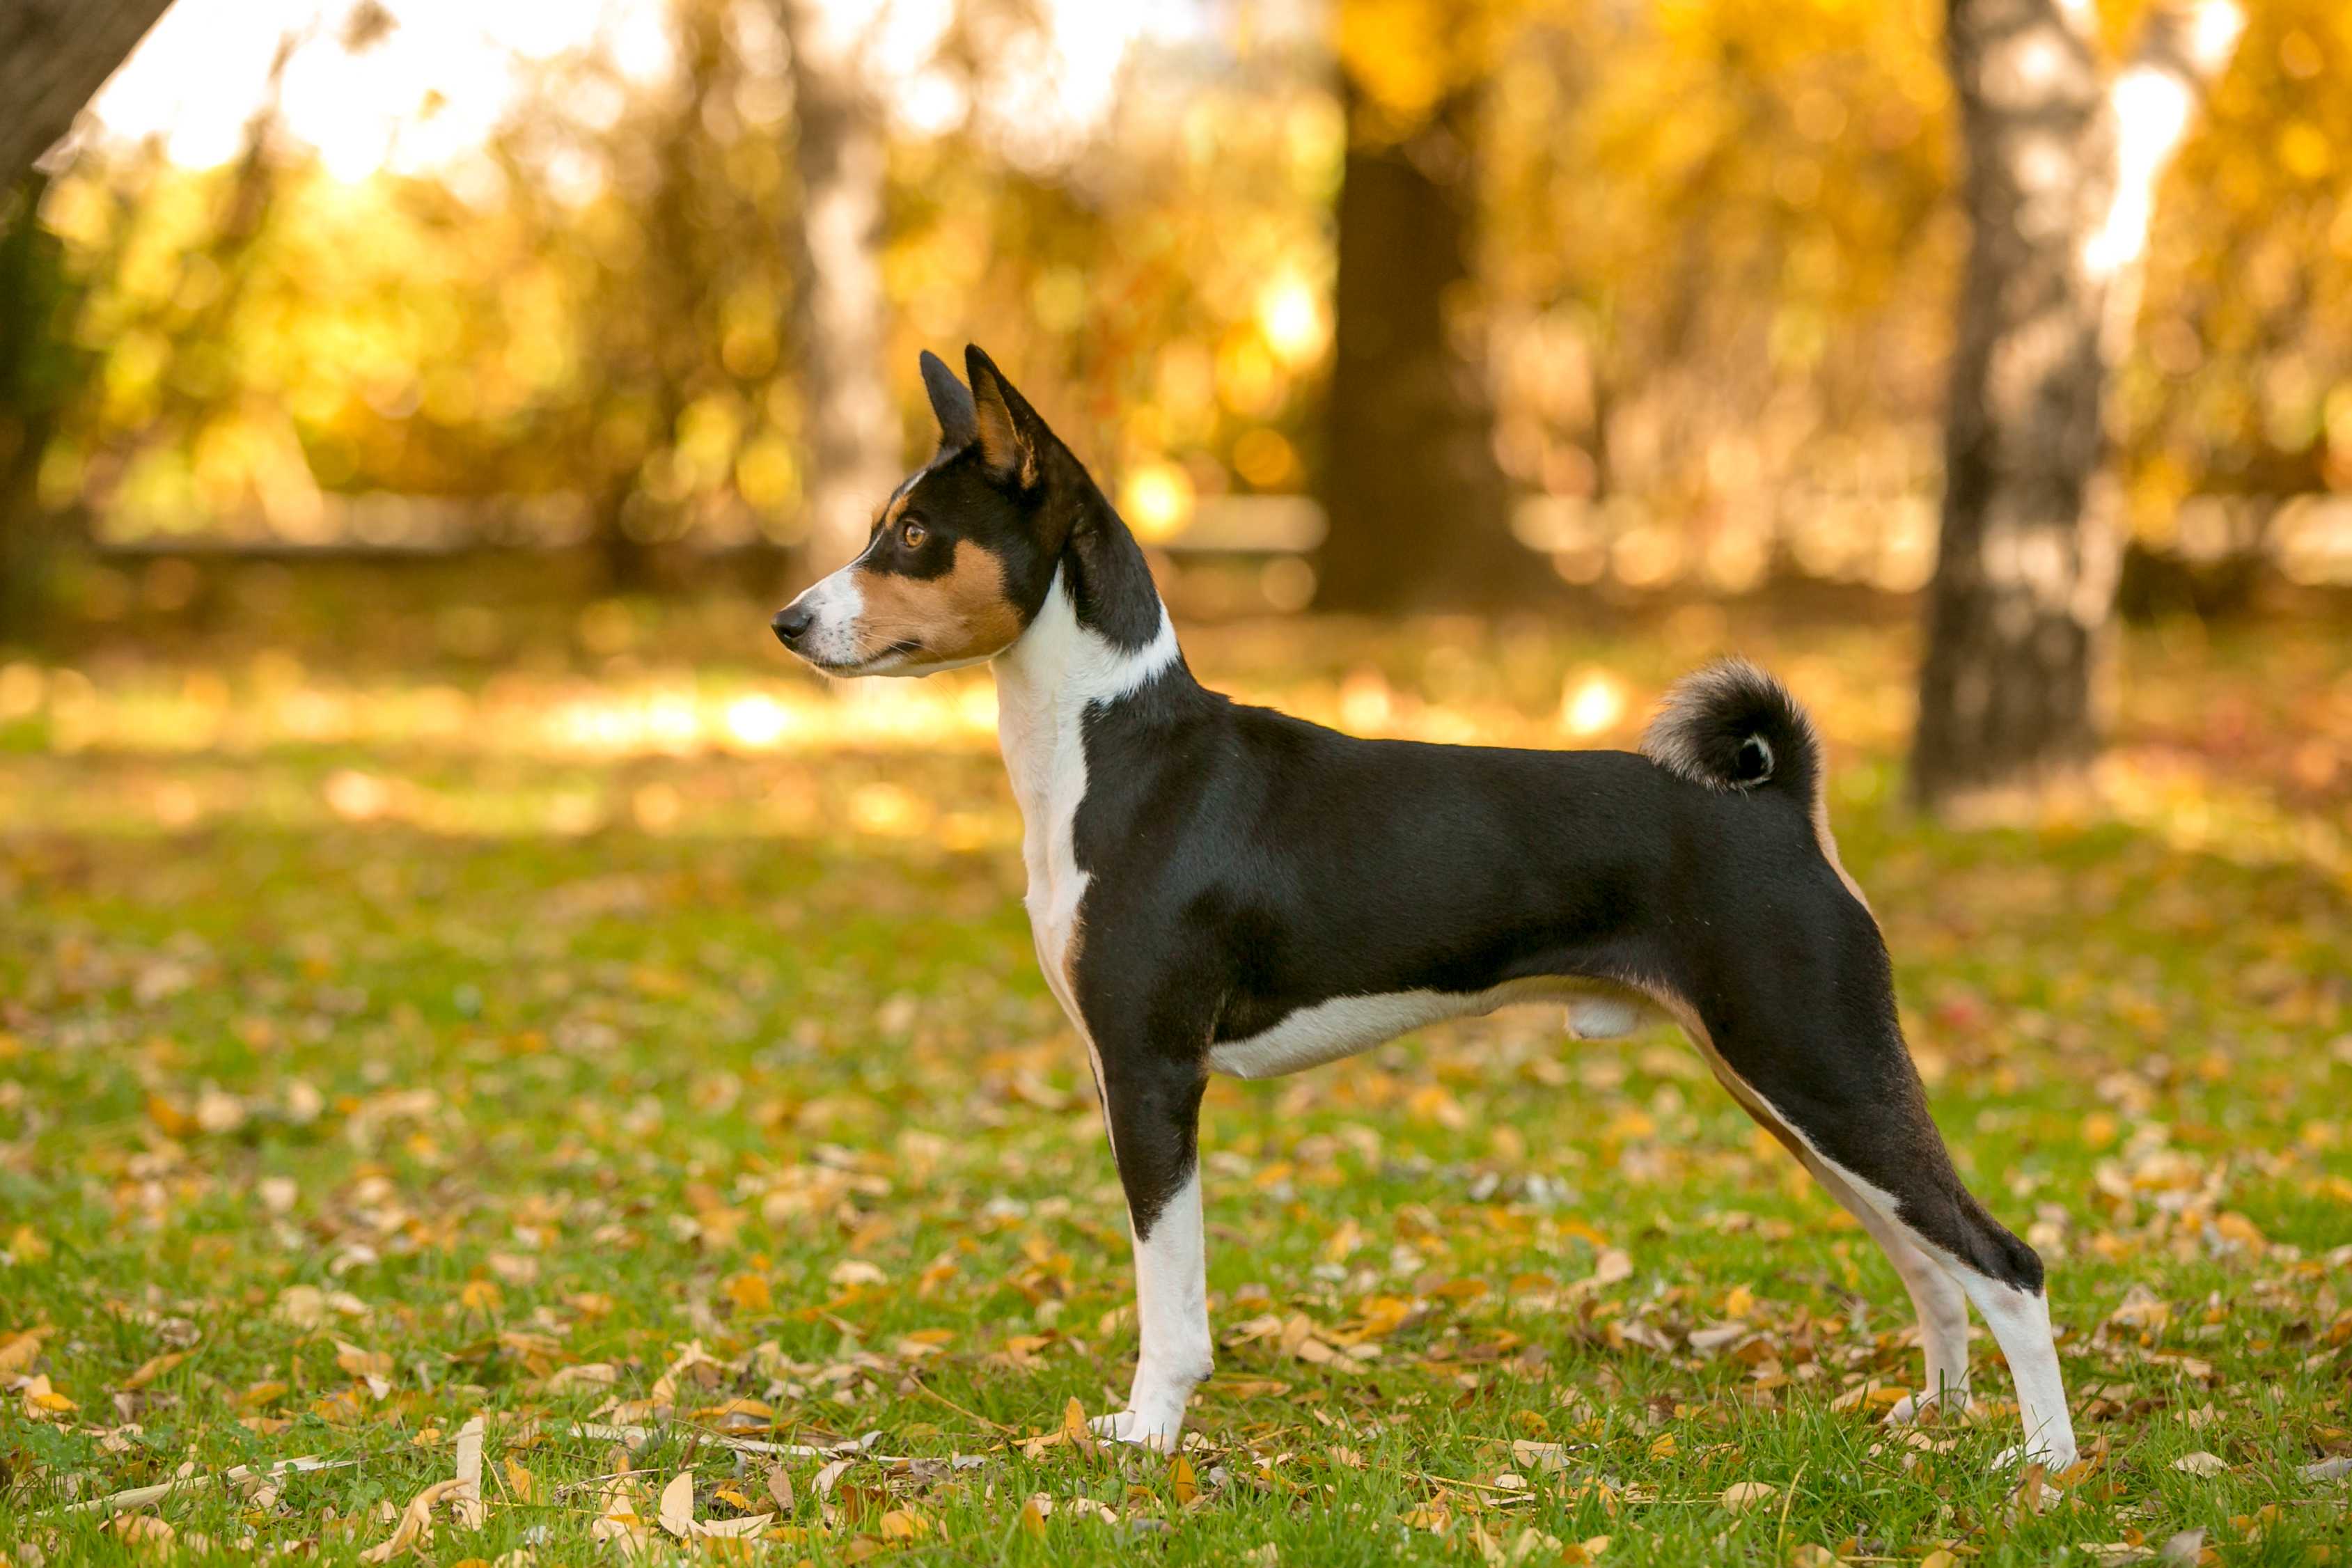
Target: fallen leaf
(2200,1463)
(723,1528)
(414,1524)
(472,1510)
(676,1509)
(17,1350)
(2183,1549)
(1742,1495)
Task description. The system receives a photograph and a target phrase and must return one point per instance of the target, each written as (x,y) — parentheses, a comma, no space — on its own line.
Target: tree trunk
(2062,165)
(35,372)
(54,56)
(1417,503)
(852,430)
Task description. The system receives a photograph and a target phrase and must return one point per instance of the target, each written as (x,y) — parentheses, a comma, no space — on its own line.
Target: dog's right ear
(959,421)
(1010,434)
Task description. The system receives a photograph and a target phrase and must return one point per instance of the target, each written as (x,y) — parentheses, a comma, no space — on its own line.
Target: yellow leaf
(152,1368)
(1748,1494)
(1033,1517)
(144,1528)
(749,1292)
(17,1350)
(1184,1483)
(899,1525)
(521,1482)
(1662,1446)
(480,1296)
(29,1244)
(362,1363)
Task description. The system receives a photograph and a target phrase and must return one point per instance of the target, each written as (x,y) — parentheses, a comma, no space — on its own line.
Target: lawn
(578,1052)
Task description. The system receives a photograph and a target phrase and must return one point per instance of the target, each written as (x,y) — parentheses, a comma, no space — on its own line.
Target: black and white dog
(1216,889)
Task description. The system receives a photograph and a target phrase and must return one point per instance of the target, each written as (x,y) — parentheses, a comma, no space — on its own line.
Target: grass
(578,1022)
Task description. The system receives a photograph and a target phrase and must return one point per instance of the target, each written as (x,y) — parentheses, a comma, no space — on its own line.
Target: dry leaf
(472,1511)
(415,1523)
(2201,1463)
(141,1529)
(17,1350)
(677,1511)
(1748,1494)
(722,1529)
(2184,1550)
(152,1368)
(1531,1455)
(587,1374)
(780,1487)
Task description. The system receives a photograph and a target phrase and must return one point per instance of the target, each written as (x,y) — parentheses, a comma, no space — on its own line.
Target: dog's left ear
(959,421)
(1010,435)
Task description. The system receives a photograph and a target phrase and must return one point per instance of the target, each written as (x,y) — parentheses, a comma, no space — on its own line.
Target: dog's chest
(1045,756)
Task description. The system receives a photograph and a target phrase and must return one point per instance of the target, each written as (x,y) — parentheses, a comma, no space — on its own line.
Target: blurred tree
(2063,169)
(853,430)
(653,209)
(1417,505)
(38,370)
(54,55)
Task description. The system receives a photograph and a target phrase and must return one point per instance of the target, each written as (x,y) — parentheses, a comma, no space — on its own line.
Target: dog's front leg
(1152,1108)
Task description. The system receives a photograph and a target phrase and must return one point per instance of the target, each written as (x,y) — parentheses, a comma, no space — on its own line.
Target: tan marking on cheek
(962,613)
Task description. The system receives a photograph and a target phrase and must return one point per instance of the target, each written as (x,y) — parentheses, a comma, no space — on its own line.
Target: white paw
(1912,1406)
(1158,1433)
(2053,1461)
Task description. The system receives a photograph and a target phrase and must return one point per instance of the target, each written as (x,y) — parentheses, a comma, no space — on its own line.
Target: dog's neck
(1101,635)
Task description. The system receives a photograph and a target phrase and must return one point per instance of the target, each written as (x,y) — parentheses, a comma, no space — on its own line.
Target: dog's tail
(1732,727)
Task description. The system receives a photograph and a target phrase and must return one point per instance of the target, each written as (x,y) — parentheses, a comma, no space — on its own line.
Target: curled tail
(1732,727)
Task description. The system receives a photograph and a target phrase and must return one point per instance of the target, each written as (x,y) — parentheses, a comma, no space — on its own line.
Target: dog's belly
(1343,1026)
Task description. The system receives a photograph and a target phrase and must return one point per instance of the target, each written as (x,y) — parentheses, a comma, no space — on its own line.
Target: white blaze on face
(834,605)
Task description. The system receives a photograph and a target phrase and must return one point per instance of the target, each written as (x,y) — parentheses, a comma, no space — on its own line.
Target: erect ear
(1009,431)
(959,423)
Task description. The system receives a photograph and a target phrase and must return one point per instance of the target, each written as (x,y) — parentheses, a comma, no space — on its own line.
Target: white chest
(1048,768)
(1045,684)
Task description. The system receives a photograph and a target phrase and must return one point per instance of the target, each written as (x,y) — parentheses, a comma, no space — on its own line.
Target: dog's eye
(911,532)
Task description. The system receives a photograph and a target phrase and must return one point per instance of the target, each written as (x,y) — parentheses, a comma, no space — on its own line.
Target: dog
(1221,889)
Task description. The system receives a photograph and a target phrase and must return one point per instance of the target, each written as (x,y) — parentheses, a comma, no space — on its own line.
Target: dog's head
(963,552)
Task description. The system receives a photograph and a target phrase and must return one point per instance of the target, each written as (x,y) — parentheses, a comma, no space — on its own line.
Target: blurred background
(460,330)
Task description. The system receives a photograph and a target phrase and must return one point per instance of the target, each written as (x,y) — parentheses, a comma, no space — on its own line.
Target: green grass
(355,1022)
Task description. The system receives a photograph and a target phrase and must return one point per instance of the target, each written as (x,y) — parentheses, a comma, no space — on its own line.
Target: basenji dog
(1221,889)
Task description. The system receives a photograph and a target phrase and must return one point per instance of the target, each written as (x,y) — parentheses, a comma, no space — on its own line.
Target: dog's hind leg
(1936,1295)
(1838,1088)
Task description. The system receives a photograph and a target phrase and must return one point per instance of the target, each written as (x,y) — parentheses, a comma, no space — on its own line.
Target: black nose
(791,624)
